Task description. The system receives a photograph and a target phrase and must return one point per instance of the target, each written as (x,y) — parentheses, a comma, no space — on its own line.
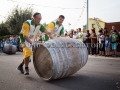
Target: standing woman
(88,41)
(105,32)
(93,38)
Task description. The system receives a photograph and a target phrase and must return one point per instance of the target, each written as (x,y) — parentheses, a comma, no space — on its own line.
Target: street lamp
(69,25)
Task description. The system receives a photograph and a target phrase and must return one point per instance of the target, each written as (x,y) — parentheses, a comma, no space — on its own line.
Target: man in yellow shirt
(28,34)
(56,28)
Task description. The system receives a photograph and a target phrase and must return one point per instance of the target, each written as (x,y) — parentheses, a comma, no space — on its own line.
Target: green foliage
(6,36)
(17,17)
(84,27)
(4,30)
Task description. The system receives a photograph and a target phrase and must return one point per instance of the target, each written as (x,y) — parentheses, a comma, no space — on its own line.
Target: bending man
(28,34)
(56,28)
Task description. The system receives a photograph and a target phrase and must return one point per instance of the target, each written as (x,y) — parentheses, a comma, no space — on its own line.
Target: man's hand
(27,39)
(49,34)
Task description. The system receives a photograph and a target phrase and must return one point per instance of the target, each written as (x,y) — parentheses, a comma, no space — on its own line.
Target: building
(109,25)
(93,23)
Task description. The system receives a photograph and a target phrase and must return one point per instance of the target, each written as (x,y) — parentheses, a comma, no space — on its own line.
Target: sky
(75,11)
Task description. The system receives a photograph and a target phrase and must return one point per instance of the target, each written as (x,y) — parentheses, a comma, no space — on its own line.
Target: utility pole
(87,15)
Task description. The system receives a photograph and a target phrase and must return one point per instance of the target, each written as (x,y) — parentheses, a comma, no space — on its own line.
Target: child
(101,43)
(114,40)
(107,46)
(1,46)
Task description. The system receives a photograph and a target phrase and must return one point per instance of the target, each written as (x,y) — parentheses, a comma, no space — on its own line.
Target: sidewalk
(103,57)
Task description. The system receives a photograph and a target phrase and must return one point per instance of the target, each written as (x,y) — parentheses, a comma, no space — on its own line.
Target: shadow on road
(83,82)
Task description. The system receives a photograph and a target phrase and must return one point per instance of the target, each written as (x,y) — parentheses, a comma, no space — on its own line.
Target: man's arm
(43,29)
(50,27)
(25,30)
(27,39)
(49,34)
(62,32)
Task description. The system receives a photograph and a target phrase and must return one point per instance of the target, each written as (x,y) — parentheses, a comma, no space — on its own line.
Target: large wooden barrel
(59,58)
(9,49)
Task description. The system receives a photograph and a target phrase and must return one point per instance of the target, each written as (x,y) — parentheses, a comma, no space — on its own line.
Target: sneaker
(26,71)
(21,69)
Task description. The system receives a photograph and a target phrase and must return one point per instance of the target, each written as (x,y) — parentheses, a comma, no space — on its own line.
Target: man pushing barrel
(56,28)
(28,34)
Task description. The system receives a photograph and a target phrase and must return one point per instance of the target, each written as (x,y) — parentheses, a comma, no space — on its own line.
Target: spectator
(113,29)
(107,45)
(93,38)
(11,38)
(98,41)
(71,35)
(114,40)
(72,31)
(88,41)
(14,42)
(101,43)
(75,35)
(105,31)
(66,35)
(78,30)
(7,41)
(1,46)
(80,35)
(84,36)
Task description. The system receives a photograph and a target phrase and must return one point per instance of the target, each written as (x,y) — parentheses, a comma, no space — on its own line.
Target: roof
(100,20)
(113,22)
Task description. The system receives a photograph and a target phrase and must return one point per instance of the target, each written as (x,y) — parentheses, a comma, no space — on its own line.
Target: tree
(84,27)
(4,30)
(17,17)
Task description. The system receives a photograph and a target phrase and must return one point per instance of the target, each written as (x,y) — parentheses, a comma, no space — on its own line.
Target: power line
(81,13)
(42,5)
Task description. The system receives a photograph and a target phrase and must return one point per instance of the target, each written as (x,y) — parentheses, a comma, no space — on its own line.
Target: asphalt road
(100,73)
